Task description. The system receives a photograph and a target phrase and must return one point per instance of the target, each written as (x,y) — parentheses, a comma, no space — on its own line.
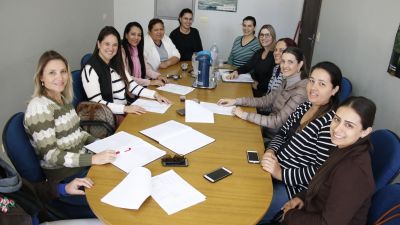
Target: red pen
(128,150)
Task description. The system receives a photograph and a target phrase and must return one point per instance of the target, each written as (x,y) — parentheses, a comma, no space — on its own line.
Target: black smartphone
(172,162)
(252,157)
(181,111)
(217,175)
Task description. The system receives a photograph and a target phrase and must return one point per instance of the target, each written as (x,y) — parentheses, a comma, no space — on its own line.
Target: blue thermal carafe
(203,73)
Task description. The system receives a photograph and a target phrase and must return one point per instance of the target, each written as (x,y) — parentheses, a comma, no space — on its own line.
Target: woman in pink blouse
(135,63)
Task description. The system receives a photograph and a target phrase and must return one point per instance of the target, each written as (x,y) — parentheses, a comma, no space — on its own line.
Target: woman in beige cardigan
(282,101)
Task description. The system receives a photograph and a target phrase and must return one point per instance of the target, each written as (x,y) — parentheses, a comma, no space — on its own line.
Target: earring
(42,83)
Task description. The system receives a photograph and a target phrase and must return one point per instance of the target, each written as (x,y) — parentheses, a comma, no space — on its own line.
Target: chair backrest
(346,89)
(385,157)
(384,200)
(85,59)
(79,92)
(20,151)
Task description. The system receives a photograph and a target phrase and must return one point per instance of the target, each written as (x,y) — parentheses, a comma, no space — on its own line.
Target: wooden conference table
(241,198)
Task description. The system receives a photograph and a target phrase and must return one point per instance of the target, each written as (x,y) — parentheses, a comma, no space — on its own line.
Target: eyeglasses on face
(266,35)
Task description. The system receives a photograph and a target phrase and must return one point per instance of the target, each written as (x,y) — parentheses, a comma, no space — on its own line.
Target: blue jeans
(279,198)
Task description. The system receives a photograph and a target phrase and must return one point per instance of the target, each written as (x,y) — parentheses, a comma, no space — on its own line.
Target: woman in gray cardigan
(282,101)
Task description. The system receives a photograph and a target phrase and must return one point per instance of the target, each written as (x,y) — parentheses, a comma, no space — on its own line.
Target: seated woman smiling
(282,101)
(341,191)
(301,146)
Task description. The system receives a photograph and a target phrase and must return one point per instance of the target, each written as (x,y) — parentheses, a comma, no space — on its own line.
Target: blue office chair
(385,200)
(22,155)
(385,157)
(345,90)
(20,151)
(79,92)
(85,59)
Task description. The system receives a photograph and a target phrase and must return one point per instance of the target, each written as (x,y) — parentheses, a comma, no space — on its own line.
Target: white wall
(358,36)
(28,28)
(219,27)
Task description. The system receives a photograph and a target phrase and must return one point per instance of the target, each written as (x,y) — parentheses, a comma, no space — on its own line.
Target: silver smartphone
(252,157)
(218,174)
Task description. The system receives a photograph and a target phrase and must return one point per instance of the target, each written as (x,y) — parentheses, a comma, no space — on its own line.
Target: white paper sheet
(242,78)
(218,109)
(196,113)
(132,191)
(176,89)
(132,151)
(179,138)
(173,193)
(165,130)
(152,105)
(114,141)
(187,142)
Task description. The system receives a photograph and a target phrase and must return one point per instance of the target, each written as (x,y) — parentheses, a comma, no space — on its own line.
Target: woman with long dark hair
(341,191)
(134,60)
(104,78)
(301,146)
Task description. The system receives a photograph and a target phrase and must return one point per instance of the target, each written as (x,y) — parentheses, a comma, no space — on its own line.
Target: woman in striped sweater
(53,126)
(104,77)
(245,46)
(301,146)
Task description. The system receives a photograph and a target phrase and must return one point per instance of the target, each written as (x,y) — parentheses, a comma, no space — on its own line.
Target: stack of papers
(152,105)
(168,189)
(178,137)
(176,89)
(132,151)
(196,113)
(242,78)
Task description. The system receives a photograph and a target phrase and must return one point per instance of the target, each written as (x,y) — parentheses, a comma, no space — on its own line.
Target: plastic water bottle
(214,55)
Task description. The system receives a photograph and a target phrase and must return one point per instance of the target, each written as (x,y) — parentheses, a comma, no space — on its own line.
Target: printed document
(131,150)
(178,137)
(242,78)
(152,105)
(196,113)
(176,89)
(168,189)
(218,109)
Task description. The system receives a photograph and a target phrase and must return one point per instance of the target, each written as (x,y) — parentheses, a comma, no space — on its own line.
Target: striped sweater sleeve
(90,81)
(313,144)
(138,90)
(41,125)
(281,137)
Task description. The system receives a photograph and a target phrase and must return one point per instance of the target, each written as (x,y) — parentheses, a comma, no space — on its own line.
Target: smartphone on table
(218,174)
(252,157)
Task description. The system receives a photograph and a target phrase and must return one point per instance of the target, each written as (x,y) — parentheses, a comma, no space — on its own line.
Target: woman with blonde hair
(53,126)
(261,63)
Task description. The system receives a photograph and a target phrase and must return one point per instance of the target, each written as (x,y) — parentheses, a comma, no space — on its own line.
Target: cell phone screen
(252,157)
(218,174)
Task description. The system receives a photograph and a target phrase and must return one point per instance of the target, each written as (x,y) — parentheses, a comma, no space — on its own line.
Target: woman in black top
(186,38)
(261,63)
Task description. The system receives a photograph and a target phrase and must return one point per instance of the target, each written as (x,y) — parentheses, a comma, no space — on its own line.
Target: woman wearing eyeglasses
(244,46)
(261,63)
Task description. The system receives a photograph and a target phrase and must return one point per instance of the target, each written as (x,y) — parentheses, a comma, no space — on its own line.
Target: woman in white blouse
(158,47)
